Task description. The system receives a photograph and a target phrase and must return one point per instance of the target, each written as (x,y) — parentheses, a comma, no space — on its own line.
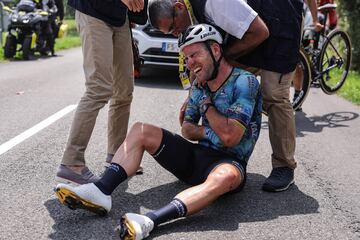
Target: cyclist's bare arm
(314,14)
(255,35)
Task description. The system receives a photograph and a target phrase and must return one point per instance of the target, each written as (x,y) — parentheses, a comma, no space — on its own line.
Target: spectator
(108,67)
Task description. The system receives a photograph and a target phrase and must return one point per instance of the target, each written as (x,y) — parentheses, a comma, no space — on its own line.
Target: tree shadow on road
(318,123)
(250,205)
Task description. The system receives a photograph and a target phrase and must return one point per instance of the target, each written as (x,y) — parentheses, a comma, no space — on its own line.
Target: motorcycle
(31,28)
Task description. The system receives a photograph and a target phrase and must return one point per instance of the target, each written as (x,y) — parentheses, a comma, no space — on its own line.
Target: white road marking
(35,129)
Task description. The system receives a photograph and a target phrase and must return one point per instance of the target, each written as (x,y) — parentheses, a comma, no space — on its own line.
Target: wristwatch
(205,107)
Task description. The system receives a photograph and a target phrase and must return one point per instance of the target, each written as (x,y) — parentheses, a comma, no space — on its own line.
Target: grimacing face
(199,62)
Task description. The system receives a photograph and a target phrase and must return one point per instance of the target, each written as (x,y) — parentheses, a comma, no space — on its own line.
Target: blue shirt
(238,98)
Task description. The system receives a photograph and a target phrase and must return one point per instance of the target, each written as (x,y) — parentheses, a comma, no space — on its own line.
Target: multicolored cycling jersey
(238,98)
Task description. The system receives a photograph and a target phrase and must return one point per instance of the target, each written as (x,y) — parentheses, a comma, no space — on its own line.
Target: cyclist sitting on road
(228,101)
(264,37)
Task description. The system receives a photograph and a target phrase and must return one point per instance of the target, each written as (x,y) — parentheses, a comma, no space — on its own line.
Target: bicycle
(325,59)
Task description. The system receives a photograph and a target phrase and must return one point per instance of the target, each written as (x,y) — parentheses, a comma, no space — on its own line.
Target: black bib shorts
(191,162)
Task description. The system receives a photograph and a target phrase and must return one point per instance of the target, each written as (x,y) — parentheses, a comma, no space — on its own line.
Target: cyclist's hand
(134,5)
(317,26)
(182,112)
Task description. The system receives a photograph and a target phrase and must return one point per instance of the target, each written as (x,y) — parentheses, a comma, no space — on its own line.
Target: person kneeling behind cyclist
(229,102)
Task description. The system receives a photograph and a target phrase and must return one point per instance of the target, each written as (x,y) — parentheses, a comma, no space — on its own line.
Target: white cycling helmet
(199,33)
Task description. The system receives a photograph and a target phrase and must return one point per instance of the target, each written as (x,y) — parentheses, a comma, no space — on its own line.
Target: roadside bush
(69,11)
(349,13)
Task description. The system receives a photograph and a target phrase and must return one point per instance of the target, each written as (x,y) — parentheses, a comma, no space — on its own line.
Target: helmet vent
(198,31)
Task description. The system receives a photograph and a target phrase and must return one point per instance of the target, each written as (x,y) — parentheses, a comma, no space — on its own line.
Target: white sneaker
(87,196)
(134,226)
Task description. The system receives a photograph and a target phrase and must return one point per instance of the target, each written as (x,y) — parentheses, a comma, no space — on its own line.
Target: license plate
(169,47)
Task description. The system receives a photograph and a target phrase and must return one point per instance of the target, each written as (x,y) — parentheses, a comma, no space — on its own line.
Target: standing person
(48,27)
(274,58)
(60,17)
(312,6)
(228,101)
(61,11)
(108,67)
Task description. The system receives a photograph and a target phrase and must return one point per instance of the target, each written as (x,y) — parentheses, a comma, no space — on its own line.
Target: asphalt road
(323,204)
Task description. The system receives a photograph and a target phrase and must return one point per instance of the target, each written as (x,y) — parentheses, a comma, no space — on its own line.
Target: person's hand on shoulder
(134,5)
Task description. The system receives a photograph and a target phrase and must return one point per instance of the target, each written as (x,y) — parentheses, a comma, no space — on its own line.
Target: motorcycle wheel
(26,48)
(10,46)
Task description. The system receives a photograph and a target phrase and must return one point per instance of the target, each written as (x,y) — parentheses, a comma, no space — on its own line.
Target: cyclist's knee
(224,178)
(145,133)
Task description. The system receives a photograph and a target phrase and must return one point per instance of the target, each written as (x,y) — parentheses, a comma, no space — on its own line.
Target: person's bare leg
(142,137)
(95,197)
(298,78)
(221,180)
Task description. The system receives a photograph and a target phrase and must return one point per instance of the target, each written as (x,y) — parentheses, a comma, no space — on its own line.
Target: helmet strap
(215,63)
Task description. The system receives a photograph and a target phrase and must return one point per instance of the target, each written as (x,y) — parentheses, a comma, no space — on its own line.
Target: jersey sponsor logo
(254,130)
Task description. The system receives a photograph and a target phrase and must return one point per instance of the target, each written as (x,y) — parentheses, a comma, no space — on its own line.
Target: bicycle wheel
(334,61)
(301,82)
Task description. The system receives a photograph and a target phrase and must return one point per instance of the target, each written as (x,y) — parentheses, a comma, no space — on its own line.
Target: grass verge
(351,88)
(72,38)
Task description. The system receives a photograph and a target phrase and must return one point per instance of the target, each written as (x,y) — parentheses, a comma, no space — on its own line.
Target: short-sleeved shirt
(280,51)
(234,17)
(238,98)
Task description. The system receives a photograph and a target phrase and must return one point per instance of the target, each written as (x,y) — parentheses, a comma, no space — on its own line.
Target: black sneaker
(280,179)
